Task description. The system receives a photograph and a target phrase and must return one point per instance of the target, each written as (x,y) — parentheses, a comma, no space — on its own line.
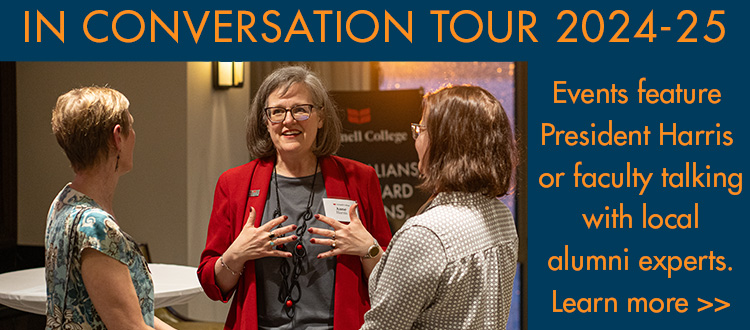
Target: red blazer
(343,178)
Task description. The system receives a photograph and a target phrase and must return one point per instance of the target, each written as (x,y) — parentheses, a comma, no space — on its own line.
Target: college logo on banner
(377,132)
(355,116)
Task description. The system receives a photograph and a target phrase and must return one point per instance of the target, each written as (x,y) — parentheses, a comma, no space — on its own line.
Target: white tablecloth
(26,289)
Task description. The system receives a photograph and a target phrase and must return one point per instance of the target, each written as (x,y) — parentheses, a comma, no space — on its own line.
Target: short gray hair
(328,139)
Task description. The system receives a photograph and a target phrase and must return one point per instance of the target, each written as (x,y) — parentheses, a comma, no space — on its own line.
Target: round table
(26,289)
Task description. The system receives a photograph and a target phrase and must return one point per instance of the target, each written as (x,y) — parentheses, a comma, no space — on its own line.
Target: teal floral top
(98,230)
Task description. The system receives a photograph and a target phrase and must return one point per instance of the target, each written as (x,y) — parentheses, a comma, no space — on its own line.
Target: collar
(70,196)
(456,197)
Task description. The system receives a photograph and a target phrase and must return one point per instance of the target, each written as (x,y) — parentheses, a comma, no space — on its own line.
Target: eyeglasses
(299,112)
(417,129)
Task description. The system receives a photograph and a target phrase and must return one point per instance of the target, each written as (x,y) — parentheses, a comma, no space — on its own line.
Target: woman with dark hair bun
(452,265)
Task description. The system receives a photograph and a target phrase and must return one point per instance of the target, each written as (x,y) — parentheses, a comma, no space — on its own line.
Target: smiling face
(292,137)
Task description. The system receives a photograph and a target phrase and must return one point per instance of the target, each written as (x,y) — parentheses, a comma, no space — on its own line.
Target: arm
(251,244)
(160,325)
(369,264)
(357,237)
(111,290)
(378,224)
(218,281)
(407,280)
(104,258)
(352,239)
(217,241)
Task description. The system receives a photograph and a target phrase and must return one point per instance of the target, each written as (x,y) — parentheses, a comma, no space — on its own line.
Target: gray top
(315,307)
(451,267)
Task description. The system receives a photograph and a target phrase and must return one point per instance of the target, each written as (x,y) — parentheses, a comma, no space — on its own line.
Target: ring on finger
(334,236)
(333,245)
(271,235)
(271,243)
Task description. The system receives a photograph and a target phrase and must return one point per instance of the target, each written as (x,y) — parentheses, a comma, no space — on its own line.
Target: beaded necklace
(289,291)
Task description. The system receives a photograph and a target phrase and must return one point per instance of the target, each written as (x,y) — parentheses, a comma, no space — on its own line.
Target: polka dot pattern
(451,267)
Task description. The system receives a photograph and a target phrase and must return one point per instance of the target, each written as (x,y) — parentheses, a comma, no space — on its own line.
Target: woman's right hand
(254,243)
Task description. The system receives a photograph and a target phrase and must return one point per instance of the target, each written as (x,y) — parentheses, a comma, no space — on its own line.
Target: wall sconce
(228,74)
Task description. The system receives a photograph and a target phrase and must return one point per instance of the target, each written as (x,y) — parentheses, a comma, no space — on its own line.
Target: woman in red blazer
(264,246)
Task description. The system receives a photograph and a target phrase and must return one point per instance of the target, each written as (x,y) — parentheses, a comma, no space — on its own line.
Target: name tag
(338,209)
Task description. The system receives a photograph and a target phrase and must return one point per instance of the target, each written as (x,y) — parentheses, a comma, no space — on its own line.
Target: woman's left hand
(351,239)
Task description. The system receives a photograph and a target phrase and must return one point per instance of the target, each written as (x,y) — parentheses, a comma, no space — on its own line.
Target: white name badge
(338,209)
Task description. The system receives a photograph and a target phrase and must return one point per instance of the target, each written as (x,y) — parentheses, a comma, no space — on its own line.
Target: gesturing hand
(351,239)
(254,243)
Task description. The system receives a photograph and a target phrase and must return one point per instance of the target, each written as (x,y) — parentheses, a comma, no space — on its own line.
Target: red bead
(299,247)
(288,303)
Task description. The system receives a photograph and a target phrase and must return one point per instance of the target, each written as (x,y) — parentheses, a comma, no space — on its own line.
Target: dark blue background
(554,214)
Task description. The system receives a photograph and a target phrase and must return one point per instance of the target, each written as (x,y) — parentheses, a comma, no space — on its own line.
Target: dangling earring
(117,163)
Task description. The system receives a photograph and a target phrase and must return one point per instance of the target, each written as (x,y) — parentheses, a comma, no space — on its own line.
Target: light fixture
(228,74)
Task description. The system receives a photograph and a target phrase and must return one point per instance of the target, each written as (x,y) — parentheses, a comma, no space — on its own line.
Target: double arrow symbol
(709,304)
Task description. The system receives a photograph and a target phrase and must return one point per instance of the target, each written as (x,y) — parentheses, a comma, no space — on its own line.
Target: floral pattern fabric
(98,230)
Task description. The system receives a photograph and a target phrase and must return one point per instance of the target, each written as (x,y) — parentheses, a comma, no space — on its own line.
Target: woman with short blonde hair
(96,276)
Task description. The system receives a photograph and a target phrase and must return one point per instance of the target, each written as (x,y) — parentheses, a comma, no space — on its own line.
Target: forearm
(228,275)
(252,243)
(369,264)
(160,325)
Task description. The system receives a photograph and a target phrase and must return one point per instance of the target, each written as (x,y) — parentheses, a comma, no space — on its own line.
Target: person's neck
(296,166)
(98,183)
